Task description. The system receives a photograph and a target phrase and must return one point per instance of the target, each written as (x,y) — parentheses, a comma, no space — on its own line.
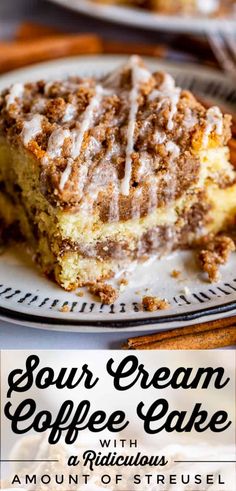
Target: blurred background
(185,30)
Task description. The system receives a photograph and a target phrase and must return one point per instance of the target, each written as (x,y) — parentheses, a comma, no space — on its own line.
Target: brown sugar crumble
(217,252)
(65,308)
(175,273)
(151,304)
(105,292)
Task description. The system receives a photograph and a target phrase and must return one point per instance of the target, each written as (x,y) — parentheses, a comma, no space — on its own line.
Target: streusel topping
(124,144)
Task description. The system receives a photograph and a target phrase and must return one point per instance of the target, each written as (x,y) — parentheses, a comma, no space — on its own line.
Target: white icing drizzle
(69,114)
(214,122)
(173,93)
(172,148)
(39,105)
(114,213)
(159,137)
(169,93)
(32,128)
(174,152)
(145,165)
(56,142)
(16,92)
(78,135)
(139,76)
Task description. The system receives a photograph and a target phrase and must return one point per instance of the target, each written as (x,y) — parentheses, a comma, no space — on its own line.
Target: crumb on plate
(151,304)
(107,293)
(186,290)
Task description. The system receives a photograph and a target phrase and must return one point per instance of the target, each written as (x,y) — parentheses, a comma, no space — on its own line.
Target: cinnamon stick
(31,30)
(138,342)
(118,47)
(17,54)
(214,338)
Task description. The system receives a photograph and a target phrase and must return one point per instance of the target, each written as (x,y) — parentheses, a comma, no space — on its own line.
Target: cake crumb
(80,294)
(175,273)
(123,281)
(217,252)
(151,304)
(65,308)
(105,292)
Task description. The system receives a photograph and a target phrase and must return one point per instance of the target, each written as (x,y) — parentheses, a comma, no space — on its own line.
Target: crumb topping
(154,303)
(217,252)
(106,293)
(124,144)
(175,273)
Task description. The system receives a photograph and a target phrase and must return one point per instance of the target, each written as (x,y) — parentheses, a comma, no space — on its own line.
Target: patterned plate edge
(119,324)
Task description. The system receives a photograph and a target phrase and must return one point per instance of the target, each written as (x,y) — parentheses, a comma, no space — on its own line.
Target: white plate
(29,298)
(146,19)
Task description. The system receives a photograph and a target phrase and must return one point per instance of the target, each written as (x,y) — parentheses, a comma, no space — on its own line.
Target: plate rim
(199,69)
(120,324)
(147,19)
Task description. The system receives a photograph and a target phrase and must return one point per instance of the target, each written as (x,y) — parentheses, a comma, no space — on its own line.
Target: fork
(223,45)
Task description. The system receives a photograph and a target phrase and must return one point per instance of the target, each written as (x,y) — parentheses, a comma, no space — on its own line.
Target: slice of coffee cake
(97,173)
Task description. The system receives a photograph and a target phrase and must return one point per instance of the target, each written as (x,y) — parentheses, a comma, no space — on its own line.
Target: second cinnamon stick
(134,343)
(17,54)
(215,338)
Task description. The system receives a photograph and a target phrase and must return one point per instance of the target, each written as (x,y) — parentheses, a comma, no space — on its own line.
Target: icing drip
(114,203)
(144,164)
(56,142)
(70,113)
(32,128)
(169,93)
(78,135)
(214,122)
(159,137)
(16,92)
(172,148)
(172,93)
(139,77)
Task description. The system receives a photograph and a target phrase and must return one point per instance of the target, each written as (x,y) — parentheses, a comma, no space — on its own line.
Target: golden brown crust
(175,274)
